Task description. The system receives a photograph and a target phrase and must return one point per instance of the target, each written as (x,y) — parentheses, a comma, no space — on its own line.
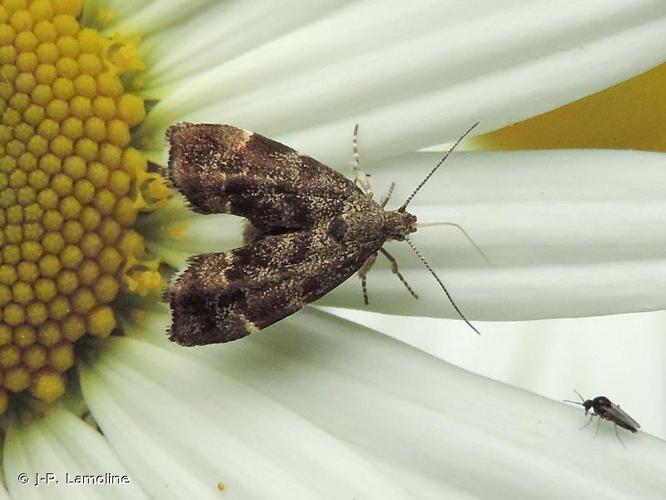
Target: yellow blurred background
(630,115)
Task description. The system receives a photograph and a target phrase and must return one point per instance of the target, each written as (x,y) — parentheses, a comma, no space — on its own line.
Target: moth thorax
(397,225)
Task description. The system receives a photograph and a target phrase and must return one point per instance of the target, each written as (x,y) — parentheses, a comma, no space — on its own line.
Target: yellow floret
(90,41)
(70,190)
(10,355)
(74,327)
(72,128)
(131,109)
(101,322)
(48,386)
(24,336)
(59,307)
(91,244)
(49,334)
(37,313)
(65,24)
(82,300)
(89,64)
(53,242)
(105,289)
(88,272)
(34,356)
(22,292)
(61,356)
(72,231)
(41,10)
(17,378)
(45,290)
(5,334)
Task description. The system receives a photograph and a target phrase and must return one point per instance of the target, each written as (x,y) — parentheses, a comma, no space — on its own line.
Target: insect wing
(620,417)
(224,169)
(225,296)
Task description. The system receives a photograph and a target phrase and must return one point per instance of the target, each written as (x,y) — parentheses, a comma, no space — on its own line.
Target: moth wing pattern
(225,296)
(224,169)
(621,417)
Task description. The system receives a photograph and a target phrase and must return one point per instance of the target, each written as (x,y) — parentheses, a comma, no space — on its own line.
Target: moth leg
(360,177)
(394,269)
(363,272)
(387,196)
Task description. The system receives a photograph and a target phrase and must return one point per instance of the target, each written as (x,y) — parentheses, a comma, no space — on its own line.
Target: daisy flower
(96,402)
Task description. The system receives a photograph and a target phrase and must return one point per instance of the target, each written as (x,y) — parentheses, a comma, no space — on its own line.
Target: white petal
(194,233)
(183,427)
(232,28)
(4,495)
(150,16)
(437,431)
(118,9)
(416,77)
(60,443)
(569,233)
(619,356)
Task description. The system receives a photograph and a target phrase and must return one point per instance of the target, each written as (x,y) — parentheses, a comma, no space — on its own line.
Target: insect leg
(588,423)
(363,272)
(394,268)
(385,199)
(360,177)
(597,431)
(618,436)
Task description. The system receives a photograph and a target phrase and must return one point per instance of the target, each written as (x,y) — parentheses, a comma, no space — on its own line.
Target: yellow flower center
(70,190)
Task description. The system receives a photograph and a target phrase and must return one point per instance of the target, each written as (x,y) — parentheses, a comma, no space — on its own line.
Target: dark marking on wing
(223,169)
(226,296)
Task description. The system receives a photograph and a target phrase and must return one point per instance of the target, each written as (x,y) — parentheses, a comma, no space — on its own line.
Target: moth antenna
(441,284)
(446,155)
(355,145)
(469,238)
(580,396)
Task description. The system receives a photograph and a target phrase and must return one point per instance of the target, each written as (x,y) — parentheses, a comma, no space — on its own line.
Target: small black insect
(603,407)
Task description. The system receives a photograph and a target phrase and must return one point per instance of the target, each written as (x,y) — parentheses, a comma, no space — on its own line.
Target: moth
(310,228)
(604,408)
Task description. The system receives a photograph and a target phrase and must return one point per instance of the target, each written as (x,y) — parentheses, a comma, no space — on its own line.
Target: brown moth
(310,229)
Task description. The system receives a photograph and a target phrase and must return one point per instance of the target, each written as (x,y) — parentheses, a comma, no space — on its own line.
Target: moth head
(399,224)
